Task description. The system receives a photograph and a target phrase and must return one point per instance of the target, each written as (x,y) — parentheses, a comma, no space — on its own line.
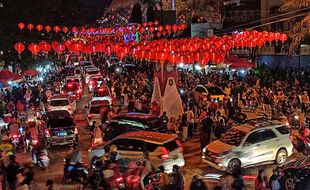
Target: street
(192,155)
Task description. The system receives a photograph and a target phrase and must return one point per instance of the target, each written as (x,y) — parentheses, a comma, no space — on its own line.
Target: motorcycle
(43,160)
(75,173)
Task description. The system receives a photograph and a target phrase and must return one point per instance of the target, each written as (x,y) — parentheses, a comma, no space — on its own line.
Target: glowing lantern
(65,29)
(34,48)
(21,26)
(19,47)
(39,27)
(48,28)
(57,29)
(30,26)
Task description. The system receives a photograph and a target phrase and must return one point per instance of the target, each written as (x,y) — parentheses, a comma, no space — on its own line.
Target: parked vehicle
(132,122)
(162,149)
(60,128)
(295,174)
(95,81)
(72,89)
(252,143)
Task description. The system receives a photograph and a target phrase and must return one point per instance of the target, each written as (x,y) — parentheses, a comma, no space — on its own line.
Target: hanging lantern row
(47,28)
(186,51)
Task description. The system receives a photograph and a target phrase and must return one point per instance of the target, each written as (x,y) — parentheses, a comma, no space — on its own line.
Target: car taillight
(119,179)
(165,154)
(47,132)
(75,130)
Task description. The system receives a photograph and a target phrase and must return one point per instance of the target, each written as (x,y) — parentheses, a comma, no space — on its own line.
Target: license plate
(62,134)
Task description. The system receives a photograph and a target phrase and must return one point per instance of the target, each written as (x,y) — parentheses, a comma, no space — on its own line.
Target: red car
(94,82)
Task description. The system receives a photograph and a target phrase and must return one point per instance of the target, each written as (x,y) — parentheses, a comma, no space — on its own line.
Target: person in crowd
(164,178)
(205,133)
(238,183)
(176,180)
(184,126)
(261,182)
(274,180)
(197,184)
(190,120)
(164,120)
(49,184)
(11,171)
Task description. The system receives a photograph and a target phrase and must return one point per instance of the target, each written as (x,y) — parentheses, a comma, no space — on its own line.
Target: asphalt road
(193,165)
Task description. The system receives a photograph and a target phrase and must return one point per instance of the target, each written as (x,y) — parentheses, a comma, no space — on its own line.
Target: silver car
(255,142)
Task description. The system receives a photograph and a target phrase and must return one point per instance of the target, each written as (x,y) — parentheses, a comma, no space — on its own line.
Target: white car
(95,81)
(255,142)
(93,110)
(62,102)
(101,93)
(90,73)
(162,149)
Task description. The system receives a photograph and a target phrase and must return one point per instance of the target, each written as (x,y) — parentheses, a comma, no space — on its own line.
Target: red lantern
(48,28)
(144,24)
(168,27)
(142,30)
(173,59)
(74,29)
(60,48)
(57,29)
(34,48)
(174,28)
(19,47)
(158,34)
(204,61)
(65,29)
(160,28)
(151,29)
(21,26)
(76,47)
(277,36)
(156,22)
(39,27)
(161,56)
(44,46)
(30,26)
(283,37)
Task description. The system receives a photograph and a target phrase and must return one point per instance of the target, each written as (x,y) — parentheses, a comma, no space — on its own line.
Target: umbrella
(31,72)
(231,59)
(8,75)
(241,64)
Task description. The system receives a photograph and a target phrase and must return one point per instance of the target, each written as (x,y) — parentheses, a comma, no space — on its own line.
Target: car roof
(256,123)
(96,76)
(136,115)
(147,136)
(60,96)
(58,114)
(99,102)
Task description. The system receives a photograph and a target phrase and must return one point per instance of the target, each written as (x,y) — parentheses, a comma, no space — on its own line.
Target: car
(200,93)
(72,89)
(162,149)
(76,79)
(95,81)
(62,102)
(249,144)
(60,128)
(89,73)
(295,174)
(74,58)
(101,93)
(85,63)
(94,110)
(127,122)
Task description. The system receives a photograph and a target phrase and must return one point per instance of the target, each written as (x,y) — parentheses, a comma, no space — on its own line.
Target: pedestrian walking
(274,180)
(198,184)
(261,182)
(238,183)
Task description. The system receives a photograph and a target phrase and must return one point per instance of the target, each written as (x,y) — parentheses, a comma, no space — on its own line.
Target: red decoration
(39,27)
(74,29)
(19,47)
(65,29)
(76,47)
(21,26)
(48,28)
(174,28)
(168,27)
(57,29)
(30,26)
(283,37)
(160,28)
(156,22)
(44,46)
(34,49)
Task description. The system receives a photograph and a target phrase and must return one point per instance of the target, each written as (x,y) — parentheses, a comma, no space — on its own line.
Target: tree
(136,14)
(301,29)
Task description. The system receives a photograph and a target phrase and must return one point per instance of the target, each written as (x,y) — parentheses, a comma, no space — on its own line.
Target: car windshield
(92,72)
(233,137)
(59,102)
(101,93)
(95,109)
(215,91)
(63,122)
(73,80)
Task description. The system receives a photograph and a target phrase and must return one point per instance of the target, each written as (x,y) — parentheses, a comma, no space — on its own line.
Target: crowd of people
(276,92)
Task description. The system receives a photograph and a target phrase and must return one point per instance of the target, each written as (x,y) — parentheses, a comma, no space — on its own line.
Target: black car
(295,175)
(124,123)
(60,128)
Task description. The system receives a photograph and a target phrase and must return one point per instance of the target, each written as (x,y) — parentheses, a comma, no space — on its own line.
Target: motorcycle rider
(73,158)
(38,148)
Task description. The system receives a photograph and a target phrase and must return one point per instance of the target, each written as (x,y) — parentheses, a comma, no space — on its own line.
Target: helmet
(113,148)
